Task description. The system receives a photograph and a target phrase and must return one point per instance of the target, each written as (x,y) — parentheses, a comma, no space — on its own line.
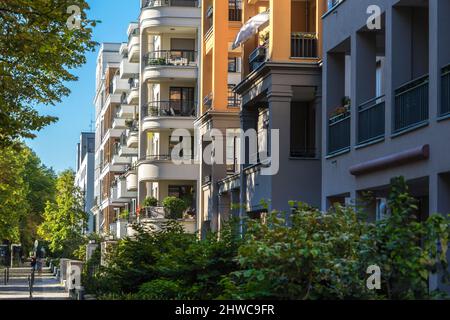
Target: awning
(250,28)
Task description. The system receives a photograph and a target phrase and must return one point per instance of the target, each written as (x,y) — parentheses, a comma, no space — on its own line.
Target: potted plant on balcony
(129,123)
(343,108)
(174,207)
(150,202)
(124,215)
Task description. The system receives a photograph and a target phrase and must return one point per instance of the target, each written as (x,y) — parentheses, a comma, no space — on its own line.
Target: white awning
(250,28)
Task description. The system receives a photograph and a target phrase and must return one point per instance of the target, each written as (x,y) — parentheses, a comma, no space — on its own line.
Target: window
(182,100)
(234,100)
(303,126)
(233,64)
(234,10)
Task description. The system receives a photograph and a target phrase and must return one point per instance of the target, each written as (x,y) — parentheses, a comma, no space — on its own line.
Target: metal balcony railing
(168,157)
(173,108)
(304,45)
(371,120)
(339,133)
(257,57)
(411,104)
(445,91)
(170,3)
(171,58)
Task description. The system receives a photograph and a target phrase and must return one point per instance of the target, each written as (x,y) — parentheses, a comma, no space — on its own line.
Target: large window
(234,10)
(233,64)
(181,100)
(303,127)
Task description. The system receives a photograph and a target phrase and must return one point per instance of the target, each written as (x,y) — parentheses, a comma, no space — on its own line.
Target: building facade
(147,95)
(386,103)
(84,177)
(219,107)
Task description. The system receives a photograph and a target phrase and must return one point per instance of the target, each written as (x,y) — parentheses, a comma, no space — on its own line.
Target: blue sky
(56,144)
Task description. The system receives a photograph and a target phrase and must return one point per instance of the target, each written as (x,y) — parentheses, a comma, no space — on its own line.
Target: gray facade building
(386,105)
(84,177)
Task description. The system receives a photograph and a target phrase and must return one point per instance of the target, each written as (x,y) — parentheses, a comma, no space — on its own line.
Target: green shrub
(174,207)
(150,202)
(160,289)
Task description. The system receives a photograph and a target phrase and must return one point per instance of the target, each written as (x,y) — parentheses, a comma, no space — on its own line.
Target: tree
(64,219)
(41,189)
(37,51)
(13,192)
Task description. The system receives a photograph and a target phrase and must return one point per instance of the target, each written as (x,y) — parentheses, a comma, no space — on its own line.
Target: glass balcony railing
(371,120)
(411,104)
(257,57)
(339,133)
(304,45)
(445,91)
(170,3)
(173,108)
(171,58)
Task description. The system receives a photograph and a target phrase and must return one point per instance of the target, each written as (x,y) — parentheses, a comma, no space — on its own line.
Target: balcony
(171,58)
(133,95)
(174,108)
(170,3)
(411,104)
(132,135)
(371,120)
(339,133)
(161,167)
(117,159)
(161,15)
(119,123)
(445,91)
(153,214)
(126,111)
(207,101)
(131,178)
(125,151)
(122,191)
(257,57)
(304,45)
(128,69)
(119,85)
(133,45)
(168,64)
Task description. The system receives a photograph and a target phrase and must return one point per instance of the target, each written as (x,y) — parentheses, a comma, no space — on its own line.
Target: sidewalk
(46,287)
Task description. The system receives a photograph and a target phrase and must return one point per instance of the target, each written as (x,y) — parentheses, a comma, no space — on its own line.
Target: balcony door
(182,100)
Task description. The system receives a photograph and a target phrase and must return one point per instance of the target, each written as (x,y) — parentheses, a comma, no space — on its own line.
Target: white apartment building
(84,177)
(146,89)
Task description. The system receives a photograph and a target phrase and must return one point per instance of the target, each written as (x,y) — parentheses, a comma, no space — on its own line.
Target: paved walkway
(46,287)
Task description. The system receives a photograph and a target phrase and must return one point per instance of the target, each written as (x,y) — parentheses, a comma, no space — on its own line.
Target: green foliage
(150,202)
(305,255)
(168,264)
(175,207)
(406,249)
(64,219)
(25,186)
(37,52)
(13,192)
(316,256)
(124,215)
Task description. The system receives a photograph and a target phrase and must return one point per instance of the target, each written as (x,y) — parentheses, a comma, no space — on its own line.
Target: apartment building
(281,103)
(84,177)
(168,94)
(219,107)
(386,103)
(108,163)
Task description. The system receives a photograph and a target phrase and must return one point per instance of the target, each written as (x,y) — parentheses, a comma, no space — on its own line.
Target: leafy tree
(13,192)
(37,52)
(64,219)
(405,248)
(41,189)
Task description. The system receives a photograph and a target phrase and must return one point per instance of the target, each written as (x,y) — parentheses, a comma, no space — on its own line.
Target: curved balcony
(161,15)
(161,167)
(131,179)
(175,114)
(169,64)
(134,45)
